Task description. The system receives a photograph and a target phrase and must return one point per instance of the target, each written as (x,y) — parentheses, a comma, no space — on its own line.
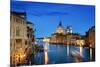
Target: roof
(28,22)
(60,24)
(20,14)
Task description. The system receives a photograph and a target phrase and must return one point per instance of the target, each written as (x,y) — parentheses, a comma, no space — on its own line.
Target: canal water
(56,54)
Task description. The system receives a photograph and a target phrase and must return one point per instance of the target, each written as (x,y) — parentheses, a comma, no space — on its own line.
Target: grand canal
(55,54)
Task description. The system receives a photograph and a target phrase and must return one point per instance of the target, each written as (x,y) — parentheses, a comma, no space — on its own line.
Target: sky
(46,16)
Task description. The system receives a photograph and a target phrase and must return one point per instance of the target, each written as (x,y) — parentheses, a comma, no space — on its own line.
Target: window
(17,31)
(17,19)
(25,42)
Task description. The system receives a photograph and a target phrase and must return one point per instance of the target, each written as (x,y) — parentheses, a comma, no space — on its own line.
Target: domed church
(60,28)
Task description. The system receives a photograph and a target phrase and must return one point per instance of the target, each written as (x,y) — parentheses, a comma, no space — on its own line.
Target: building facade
(18,37)
(58,36)
(60,29)
(21,38)
(80,42)
(69,29)
(90,37)
(30,42)
(65,36)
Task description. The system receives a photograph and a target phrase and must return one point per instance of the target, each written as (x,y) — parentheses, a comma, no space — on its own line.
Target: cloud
(56,13)
(50,13)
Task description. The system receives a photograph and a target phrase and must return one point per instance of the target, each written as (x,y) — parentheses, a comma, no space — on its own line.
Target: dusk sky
(46,16)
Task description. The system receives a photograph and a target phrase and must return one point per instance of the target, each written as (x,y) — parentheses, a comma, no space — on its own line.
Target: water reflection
(68,50)
(90,54)
(76,55)
(81,50)
(46,53)
(54,54)
(79,55)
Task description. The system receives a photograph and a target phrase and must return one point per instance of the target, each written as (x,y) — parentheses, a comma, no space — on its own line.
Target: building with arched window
(21,38)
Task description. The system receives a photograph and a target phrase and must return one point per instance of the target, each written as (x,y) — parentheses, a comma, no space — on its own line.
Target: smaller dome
(69,29)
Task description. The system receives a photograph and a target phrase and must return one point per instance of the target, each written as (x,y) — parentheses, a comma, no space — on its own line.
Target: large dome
(60,28)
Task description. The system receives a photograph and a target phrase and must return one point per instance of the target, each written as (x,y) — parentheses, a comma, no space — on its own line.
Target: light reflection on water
(46,54)
(54,54)
(68,50)
(90,54)
(81,50)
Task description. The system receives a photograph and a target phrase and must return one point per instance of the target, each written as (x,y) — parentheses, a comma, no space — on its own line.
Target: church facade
(64,36)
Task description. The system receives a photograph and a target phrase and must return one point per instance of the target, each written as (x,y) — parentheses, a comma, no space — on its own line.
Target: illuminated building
(90,37)
(60,28)
(69,29)
(46,40)
(80,42)
(21,38)
(58,36)
(18,35)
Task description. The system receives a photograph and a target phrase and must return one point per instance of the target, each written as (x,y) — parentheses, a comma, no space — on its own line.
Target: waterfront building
(58,36)
(18,37)
(46,39)
(68,38)
(65,36)
(60,29)
(69,29)
(53,38)
(71,38)
(21,38)
(68,35)
(80,42)
(30,35)
(90,37)
(30,40)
